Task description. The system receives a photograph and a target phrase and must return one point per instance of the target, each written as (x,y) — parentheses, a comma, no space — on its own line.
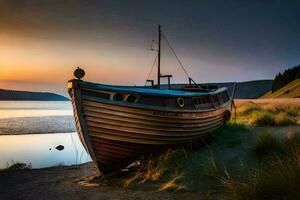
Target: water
(53,125)
(25,117)
(39,150)
(13,109)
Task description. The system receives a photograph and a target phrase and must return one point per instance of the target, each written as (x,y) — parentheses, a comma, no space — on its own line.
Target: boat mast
(158,63)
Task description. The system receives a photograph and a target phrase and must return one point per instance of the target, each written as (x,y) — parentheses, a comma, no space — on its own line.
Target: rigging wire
(151,69)
(180,63)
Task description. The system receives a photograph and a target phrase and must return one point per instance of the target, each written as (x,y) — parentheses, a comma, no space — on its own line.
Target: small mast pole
(158,63)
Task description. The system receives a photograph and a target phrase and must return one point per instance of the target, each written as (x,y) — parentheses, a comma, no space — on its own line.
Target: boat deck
(147,91)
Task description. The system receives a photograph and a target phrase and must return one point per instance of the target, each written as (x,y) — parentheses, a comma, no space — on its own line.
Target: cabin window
(195,101)
(225,97)
(201,100)
(215,99)
(206,99)
(221,98)
(188,103)
(118,97)
(131,98)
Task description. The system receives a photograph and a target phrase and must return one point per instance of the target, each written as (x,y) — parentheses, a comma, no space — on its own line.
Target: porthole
(180,102)
(118,97)
(131,98)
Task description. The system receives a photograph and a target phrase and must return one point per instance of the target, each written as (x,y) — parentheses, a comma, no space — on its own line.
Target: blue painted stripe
(147,91)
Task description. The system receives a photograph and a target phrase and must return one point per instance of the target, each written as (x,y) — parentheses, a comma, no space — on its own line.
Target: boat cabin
(193,99)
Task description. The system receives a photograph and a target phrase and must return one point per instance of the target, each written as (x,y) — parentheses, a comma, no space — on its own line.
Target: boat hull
(115,134)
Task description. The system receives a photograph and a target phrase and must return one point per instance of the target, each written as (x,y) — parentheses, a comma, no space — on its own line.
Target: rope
(234,107)
(151,69)
(232,99)
(180,63)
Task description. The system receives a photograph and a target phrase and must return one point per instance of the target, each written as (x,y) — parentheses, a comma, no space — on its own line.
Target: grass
(275,181)
(229,135)
(16,166)
(268,114)
(177,170)
(277,175)
(267,144)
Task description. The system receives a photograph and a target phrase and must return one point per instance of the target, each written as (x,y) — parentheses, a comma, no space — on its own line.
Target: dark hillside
(244,90)
(30,96)
(249,89)
(282,79)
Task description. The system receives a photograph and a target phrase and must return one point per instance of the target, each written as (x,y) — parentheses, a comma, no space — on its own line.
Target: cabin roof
(146,91)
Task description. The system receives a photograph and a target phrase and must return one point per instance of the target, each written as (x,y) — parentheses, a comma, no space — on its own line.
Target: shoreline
(76,181)
(72,182)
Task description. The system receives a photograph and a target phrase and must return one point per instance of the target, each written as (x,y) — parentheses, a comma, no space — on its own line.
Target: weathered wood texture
(115,135)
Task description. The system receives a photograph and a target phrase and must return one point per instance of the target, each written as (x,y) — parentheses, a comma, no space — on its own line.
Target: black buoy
(79,73)
(60,147)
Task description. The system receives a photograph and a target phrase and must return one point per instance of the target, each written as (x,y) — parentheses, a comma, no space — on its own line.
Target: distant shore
(15,95)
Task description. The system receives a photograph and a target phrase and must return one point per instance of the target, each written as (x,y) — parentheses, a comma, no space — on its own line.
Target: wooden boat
(119,124)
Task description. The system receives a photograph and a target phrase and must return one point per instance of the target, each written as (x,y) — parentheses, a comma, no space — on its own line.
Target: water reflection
(25,117)
(39,150)
(9,109)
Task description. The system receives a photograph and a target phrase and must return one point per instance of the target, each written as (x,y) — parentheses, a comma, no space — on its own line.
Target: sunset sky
(42,41)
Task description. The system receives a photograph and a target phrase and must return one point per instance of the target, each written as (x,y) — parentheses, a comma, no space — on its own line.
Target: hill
(283,78)
(13,95)
(291,90)
(248,89)
(244,90)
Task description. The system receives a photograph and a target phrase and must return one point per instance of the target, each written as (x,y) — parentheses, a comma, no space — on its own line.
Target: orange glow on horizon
(50,61)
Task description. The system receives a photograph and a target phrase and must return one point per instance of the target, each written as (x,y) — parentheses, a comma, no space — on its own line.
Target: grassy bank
(237,164)
(16,166)
(267,114)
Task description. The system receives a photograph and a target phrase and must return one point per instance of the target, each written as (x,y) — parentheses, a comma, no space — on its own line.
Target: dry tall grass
(276,177)
(268,114)
(236,163)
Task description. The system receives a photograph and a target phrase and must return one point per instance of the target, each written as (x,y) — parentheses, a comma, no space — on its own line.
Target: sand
(70,183)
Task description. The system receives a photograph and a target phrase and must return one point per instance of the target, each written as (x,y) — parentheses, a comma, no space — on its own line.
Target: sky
(43,41)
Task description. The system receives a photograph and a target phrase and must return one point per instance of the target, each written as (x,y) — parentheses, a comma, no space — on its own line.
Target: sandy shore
(70,183)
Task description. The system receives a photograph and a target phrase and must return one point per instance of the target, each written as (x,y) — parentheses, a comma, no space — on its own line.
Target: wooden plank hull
(115,135)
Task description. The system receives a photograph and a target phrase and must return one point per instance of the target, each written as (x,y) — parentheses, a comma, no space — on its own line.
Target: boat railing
(169,79)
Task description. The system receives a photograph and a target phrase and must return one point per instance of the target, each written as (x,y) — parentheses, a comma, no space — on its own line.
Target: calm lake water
(53,125)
